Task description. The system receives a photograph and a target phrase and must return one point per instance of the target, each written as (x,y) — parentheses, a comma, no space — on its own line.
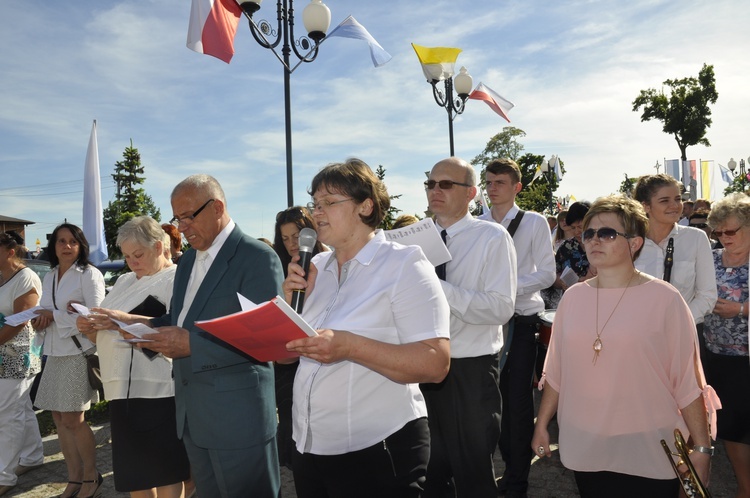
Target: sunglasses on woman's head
(605,234)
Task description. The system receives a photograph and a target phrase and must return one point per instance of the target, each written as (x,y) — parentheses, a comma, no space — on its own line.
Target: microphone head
(307,239)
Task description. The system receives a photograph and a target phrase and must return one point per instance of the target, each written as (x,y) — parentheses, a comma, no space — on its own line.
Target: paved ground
(548,477)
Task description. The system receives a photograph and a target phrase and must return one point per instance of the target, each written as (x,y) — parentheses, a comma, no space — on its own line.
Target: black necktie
(440,269)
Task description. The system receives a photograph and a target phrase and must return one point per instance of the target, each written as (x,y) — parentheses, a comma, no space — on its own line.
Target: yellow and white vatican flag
(437,62)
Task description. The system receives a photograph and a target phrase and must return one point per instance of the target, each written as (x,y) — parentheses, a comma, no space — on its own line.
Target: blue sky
(572,68)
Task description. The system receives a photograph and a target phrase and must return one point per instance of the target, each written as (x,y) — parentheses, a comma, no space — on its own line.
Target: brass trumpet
(689,479)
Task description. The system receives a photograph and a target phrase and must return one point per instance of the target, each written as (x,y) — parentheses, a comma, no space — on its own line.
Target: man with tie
(480,284)
(226,410)
(536,271)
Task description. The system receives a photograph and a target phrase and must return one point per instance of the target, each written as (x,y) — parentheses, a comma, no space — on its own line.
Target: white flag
(93,218)
(350,28)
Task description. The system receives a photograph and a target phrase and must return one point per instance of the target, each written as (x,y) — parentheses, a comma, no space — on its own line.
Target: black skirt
(730,378)
(146,452)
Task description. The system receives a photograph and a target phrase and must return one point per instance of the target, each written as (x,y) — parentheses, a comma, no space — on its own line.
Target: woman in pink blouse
(621,368)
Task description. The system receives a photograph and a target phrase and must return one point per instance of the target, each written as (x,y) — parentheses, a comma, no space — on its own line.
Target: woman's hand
(559,284)
(329,346)
(118,315)
(297,280)
(727,309)
(42,320)
(84,326)
(101,321)
(702,464)
(540,441)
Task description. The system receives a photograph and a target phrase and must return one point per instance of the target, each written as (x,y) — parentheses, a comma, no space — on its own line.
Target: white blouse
(84,285)
(693,271)
(126,371)
(387,292)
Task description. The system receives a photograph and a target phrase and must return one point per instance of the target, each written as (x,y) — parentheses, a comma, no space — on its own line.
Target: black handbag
(92,369)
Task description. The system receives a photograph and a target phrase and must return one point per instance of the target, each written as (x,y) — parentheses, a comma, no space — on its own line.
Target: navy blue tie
(440,269)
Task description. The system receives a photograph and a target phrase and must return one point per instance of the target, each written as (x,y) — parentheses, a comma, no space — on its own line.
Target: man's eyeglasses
(443,184)
(728,233)
(698,225)
(323,205)
(604,234)
(186,220)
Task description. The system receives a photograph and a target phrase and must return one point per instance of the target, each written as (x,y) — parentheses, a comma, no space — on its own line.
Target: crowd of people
(418,373)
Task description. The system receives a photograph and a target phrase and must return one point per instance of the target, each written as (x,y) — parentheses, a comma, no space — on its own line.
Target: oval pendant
(597,345)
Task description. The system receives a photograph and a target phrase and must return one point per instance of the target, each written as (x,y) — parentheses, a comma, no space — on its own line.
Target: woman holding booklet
(359,418)
(20,443)
(147,457)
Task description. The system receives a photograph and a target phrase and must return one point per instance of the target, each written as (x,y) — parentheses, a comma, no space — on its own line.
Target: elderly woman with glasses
(726,332)
(360,423)
(147,457)
(621,368)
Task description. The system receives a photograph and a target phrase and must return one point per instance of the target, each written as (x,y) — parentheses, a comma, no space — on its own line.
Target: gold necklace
(598,345)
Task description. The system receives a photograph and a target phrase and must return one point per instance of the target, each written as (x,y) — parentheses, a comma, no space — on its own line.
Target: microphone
(307,239)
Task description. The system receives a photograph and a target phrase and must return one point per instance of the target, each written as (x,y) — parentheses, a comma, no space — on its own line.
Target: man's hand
(172,342)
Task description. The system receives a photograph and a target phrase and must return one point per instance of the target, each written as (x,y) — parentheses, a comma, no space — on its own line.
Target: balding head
(451,204)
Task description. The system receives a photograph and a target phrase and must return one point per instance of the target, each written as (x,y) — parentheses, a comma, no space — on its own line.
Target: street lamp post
(548,169)
(732,165)
(316,18)
(461,83)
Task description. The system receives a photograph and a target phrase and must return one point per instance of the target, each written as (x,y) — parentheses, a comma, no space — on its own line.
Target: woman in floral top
(570,254)
(20,442)
(726,333)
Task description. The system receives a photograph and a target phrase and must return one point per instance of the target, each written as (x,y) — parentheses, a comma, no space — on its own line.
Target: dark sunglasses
(699,225)
(443,184)
(604,234)
(728,233)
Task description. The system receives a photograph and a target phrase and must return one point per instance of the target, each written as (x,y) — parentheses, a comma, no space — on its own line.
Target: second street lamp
(453,104)
(316,18)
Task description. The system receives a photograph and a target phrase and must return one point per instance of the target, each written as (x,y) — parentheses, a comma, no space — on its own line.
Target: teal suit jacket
(225,396)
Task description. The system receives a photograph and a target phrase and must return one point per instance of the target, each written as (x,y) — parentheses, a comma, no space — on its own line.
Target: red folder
(261,332)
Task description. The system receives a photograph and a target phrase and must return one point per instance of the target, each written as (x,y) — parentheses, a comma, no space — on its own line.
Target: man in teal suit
(226,410)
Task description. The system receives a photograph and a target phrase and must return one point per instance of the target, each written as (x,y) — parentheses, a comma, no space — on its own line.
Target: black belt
(526,319)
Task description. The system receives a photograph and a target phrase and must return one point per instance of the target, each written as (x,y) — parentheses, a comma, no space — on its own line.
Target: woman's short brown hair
(630,213)
(647,186)
(354,178)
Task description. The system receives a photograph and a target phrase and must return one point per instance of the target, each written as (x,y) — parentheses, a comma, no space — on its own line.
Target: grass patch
(98,414)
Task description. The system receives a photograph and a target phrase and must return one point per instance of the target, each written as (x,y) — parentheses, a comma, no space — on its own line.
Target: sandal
(97,492)
(75,493)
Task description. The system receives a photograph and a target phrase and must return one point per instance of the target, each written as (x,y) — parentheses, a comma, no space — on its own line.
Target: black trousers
(464,417)
(392,468)
(517,423)
(616,485)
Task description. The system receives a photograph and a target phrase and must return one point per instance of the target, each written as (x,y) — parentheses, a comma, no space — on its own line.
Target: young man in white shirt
(480,285)
(536,271)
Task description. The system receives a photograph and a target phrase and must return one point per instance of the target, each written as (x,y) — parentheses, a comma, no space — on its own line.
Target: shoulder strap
(516,221)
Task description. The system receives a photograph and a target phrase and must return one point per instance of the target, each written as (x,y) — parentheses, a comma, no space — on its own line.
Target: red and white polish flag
(497,103)
(213,24)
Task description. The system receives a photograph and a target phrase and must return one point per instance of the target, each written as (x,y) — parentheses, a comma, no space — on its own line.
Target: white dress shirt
(205,258)
(390,293)
(83,285)
(693,272)
(536,259)
(480,285)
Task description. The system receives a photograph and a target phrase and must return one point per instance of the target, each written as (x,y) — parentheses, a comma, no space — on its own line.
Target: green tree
(131,200)
(739,184)
(536,194)
(390,216)
(628,185)
(685,111)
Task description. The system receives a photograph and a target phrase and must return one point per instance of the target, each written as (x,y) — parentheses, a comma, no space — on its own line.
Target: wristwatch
(708,450)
